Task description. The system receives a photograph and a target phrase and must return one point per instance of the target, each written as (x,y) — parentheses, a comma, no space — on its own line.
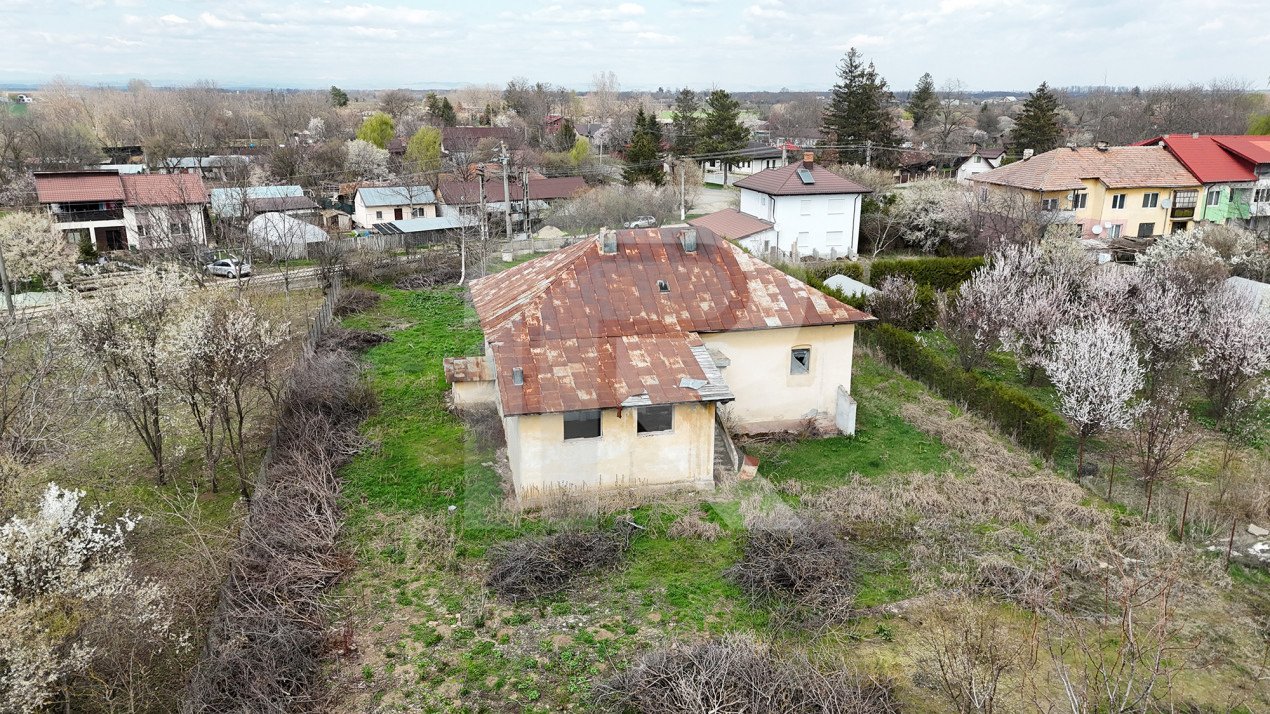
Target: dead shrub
(339,338)
(430,269)
(692,525)
(739,675)
(484,425)
(354,300)
(532,567)
(808,569)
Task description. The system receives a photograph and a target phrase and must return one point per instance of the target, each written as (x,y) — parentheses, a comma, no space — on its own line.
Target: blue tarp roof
(396,195)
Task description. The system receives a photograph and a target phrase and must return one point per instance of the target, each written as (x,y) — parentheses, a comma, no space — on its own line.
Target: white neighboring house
(815,212)
(977,161)
(284,236)
(392,203)
(754,234)
(236,202)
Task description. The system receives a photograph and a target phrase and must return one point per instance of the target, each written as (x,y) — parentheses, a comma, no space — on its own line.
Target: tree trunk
(1186,505)
(1080,454)
(1150,494)
(1230,541)
(1111,477)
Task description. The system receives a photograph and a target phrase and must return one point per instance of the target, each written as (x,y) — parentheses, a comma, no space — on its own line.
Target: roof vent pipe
(608,242)
(689,239)
(1194,134)
(1101,145)
(518,376)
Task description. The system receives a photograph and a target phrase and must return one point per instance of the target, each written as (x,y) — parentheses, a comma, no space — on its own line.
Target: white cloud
(174,20)
(630,8)
(657,38)
(866,41)
(211,20)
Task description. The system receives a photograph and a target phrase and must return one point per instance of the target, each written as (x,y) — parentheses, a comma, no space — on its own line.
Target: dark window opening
(800,361)
(582,424)
(1146,230)
(651,419)
(663,286)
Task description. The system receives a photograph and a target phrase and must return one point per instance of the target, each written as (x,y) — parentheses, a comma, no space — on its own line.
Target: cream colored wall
(543,462)
(468,393)
(767,395)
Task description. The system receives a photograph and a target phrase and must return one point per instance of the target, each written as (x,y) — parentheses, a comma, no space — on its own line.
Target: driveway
(710,200)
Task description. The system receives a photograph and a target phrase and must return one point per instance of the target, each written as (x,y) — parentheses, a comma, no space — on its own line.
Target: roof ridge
(509,311)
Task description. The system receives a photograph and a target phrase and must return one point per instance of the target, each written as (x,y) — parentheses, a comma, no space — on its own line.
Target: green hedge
(1011,409)
(939,273)
(823,270)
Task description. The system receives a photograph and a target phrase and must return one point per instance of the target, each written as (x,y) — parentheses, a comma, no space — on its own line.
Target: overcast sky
(733,44)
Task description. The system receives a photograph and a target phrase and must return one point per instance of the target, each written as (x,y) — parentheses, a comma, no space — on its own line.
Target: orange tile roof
(593,330)
(1117,167)
(731,223)
(76,186)
(164,189)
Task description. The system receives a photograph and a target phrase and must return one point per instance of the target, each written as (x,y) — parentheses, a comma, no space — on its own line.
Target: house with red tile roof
(121,211)
(1229,177)
(1108,192)
(754,234)
(612,360)
(814,211)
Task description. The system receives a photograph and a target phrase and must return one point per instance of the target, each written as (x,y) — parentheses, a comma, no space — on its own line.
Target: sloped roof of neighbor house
(591,330)
(786,181)
(1116,166)
(281,229)
(281,203)
(731,223)
(164,189)
(1253,148)
(73,186)
(396,195)
(1205,158)
(544,189)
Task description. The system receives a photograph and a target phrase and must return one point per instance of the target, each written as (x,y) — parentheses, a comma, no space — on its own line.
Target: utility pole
(507,197)
(8,292)
(683,201)
(524,190)
(868,152)
(484,216)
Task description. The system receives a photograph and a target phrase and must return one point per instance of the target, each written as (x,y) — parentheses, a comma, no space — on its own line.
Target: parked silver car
(229,268)
(642,222)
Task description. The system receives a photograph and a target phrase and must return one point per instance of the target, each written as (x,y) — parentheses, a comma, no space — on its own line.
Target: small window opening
(583,424)
(663,286)
(654,419)
(518,376)
(800,360)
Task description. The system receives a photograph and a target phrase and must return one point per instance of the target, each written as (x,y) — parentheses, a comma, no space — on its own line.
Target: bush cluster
(1011,409)
(936,273)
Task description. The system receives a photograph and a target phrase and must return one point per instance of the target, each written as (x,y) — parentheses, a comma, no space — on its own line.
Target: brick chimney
(808,159)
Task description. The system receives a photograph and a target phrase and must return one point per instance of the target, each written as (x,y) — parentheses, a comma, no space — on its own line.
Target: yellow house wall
(767,395)
(543,462)
(1098,208)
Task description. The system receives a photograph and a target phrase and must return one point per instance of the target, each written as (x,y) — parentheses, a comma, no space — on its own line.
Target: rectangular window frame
(1146,230)
(1261,195)
(657,419)
(1151,200)
(840,204)
(800,361)
(1079,200)
(1213,196)
(582,421)
(1049,204)
(804,207)
(1118,201)
(1114,230)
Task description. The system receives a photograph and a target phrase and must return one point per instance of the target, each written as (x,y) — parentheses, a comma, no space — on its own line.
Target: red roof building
(1205,157)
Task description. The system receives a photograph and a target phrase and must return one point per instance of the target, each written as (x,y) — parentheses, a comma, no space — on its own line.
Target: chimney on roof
(608,241)
(688,238)
(808,159)
(1071,145)
(1194,134)
(1101,145)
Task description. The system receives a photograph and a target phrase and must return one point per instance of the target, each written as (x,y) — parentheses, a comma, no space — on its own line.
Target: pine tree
(684,123)
(923,103)
(1038,128)
(722,131)
(567,136)
(643,155)
(859,111)
(339,97)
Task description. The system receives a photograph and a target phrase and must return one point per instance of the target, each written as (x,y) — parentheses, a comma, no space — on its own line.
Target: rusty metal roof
(591,329)
(467,369)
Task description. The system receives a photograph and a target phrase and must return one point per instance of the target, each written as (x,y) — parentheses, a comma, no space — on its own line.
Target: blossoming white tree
(1096,371)
(68,585)
(1234,346)
(366,161)
(125,336)
(33,246)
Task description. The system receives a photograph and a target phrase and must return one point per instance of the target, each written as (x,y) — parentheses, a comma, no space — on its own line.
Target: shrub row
(1011,409)
(938,273)
(826,269)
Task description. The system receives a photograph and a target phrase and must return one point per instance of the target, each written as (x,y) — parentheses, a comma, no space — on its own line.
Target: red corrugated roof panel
(1206,158)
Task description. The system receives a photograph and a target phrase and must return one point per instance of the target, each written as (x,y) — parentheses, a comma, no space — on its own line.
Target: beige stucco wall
(470,393)
(542,462)
(768,397)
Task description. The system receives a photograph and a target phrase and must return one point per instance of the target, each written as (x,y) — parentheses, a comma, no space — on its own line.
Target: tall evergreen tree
(446,113)
(643,155)
(922,103)
(567,136)
(1037,127)
(339,97)
(684,123)
(860,111)
(722,131)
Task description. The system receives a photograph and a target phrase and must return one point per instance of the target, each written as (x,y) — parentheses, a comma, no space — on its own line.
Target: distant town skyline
(1002,45)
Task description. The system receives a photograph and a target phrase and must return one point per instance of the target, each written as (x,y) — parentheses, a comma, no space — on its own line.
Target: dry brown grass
(693,525)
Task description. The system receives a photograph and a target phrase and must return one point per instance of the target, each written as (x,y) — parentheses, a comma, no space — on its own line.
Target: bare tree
(1162,436)
(969,649)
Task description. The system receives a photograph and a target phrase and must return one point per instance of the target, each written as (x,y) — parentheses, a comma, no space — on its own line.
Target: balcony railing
(110,214)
